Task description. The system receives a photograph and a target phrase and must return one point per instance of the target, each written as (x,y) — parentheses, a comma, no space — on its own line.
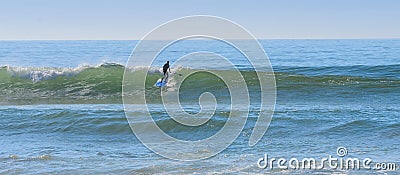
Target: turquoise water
(61,109)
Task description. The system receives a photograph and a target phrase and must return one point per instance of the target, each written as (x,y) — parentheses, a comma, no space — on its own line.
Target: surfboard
(161,83)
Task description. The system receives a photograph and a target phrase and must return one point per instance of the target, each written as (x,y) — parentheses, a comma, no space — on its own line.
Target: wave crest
(103,83)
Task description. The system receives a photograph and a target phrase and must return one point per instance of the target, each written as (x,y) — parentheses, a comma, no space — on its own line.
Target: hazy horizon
(232,39)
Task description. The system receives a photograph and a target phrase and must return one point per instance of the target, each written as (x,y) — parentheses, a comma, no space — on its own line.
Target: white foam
(39,74)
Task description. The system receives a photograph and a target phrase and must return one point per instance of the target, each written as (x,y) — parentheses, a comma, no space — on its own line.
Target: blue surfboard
(161,83)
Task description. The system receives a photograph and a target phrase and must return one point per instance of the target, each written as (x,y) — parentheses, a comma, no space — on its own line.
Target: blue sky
(128,19)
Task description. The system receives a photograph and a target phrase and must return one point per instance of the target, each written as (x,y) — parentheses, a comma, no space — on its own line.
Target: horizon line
(372,38)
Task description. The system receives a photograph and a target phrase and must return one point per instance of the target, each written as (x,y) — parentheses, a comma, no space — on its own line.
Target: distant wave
(380,71)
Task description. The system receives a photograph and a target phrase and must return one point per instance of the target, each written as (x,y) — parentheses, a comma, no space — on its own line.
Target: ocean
(61,107)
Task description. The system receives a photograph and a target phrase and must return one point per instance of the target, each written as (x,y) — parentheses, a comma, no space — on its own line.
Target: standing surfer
(165,69)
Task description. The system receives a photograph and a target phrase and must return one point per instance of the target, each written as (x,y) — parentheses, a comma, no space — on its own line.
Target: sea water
(61,109)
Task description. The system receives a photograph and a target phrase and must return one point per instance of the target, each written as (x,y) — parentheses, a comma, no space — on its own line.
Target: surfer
(165,69)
